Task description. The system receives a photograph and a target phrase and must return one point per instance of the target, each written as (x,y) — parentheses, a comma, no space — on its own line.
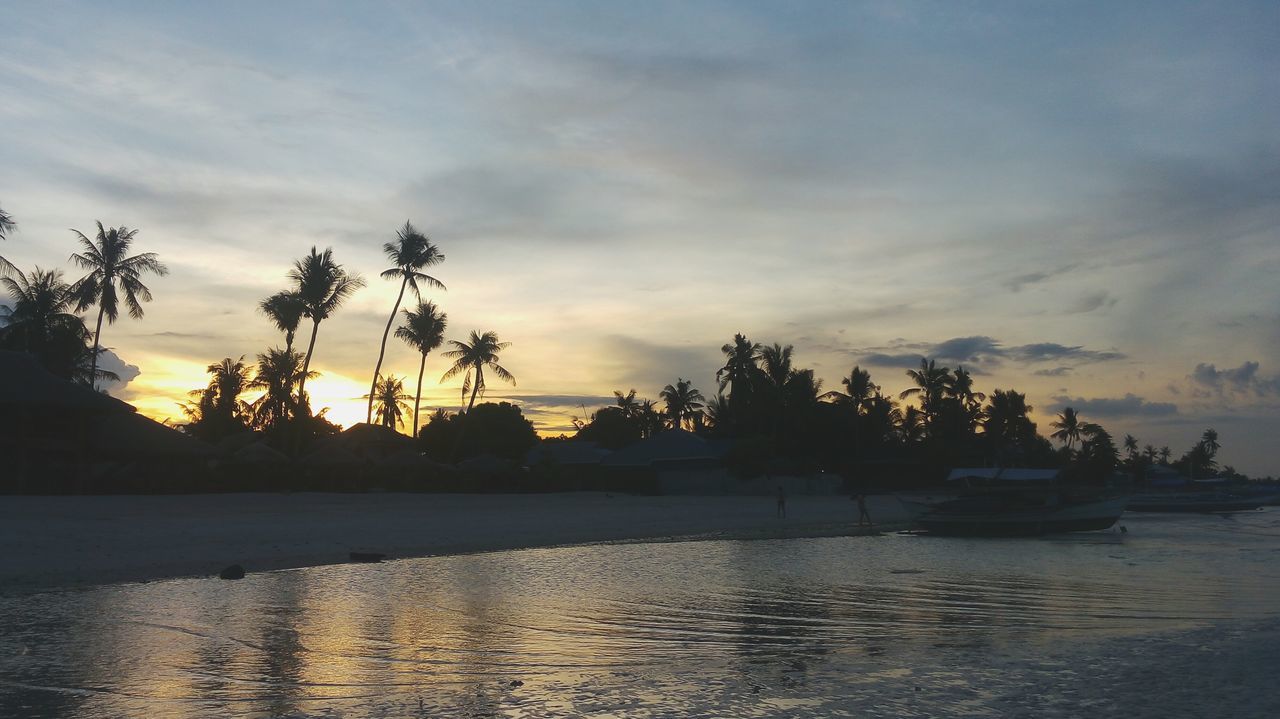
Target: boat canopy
(1002,474)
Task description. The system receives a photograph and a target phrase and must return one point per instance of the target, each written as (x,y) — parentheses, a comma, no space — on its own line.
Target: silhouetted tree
(423,330)
(279,373)
(683,402)
(40,322)
(1067,427)
(498,429)
(472,358)
(410,252)
(390,401)
(931,385)
(112,273)
(7,225)
(285,310)
(322,285)
(218,410)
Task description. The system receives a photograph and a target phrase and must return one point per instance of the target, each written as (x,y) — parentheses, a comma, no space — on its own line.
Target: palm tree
(1131,446)
(1149,453)
(228,380)
(285,310)
(322,285)
(628,403)
(112,272)
(718,412)
(650,419)
(740,368)
(40,321)
(1068,427)
(278,373)
(392,402)
(1210,440)
(472,358)
(858,388)
(423,329)
(7,225)
(410,252)
(931,384)
(683,402)
(1165,454)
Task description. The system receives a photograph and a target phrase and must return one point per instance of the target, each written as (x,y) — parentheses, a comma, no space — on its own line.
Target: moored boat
(1021,514)
(1194,502)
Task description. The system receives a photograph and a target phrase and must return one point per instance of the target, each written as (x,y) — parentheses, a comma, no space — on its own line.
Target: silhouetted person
(782,503)
(863,516)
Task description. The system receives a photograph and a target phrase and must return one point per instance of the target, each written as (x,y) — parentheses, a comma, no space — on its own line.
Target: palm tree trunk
(382,351)
(462,428)
(97,337)
(306,365)
(417,398)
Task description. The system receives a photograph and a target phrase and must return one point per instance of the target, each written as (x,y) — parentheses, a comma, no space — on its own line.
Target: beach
(50,542)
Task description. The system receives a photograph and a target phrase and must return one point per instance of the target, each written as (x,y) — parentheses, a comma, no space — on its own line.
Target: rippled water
(896,625)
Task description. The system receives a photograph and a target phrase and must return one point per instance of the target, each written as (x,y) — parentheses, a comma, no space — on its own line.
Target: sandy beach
(56,542)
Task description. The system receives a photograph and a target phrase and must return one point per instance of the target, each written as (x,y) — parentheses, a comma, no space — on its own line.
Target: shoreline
(50,543)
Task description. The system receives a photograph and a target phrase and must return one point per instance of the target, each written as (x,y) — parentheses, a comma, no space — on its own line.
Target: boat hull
(1030,522)
(1194,505)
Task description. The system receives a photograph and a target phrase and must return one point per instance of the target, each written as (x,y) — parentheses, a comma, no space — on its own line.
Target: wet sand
(59,542)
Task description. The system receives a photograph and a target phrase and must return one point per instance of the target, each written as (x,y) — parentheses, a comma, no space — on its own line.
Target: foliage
(498,429)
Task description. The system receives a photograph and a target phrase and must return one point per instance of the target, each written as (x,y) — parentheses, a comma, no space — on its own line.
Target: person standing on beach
(863,515)
(782,503)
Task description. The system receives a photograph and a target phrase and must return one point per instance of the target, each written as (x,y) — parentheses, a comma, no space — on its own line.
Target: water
(887,626)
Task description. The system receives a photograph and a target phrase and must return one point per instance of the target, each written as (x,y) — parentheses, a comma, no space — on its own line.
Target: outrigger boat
(1012,502)
(1013,514)
(1201,502)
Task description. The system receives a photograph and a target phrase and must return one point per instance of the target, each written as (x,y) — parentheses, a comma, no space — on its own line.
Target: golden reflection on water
(765,628)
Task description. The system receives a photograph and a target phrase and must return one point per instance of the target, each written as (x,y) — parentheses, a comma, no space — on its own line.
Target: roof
(259,453)
(566,453)
(675,445)
(128,434)
(1003,474)
(24,383)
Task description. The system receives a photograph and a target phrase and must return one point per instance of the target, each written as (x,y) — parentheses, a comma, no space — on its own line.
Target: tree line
(777,411)
(43,319)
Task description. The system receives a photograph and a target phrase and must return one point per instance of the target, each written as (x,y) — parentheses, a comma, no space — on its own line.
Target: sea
(1176,615)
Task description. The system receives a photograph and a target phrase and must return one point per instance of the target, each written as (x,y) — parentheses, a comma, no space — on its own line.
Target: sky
(1080,201)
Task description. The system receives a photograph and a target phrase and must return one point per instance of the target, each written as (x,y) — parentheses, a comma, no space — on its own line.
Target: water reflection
(747,628)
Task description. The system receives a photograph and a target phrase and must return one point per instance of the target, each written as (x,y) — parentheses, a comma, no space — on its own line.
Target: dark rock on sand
(235,571)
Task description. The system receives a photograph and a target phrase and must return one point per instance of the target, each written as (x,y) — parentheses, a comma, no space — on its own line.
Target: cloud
(1055,372)
(1129,405)
(112,362)
(1237,380)
(1016,283)
(1047,351)
(1093,301)
(981,350)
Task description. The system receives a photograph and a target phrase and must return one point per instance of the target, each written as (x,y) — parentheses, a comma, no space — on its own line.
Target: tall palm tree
(112,272)
(473,358)
(392,402)
(650,419)
(410,252)
(423,329)
(285,310)
(279,372)
(740,367)
(322,285)
(1165,454)
(7,225)
(683,402)
(1068,427)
